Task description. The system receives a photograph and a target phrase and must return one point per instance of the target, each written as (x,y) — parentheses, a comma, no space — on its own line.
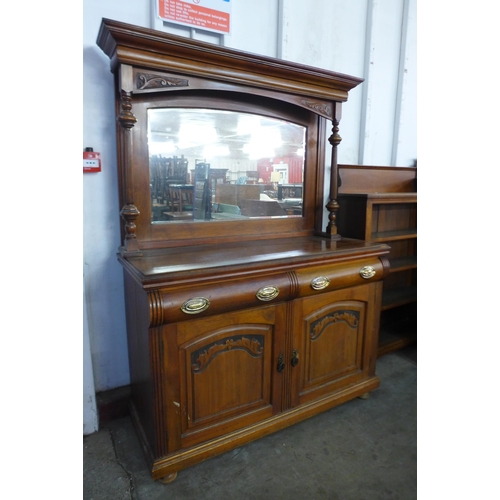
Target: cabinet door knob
(295,357)
(281,363)
(367,272)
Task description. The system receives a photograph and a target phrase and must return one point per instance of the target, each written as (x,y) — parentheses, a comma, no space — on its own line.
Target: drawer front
(325,278)
(172,305)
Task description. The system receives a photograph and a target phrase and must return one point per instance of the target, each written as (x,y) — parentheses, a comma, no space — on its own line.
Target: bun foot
(366,395)
(168,479)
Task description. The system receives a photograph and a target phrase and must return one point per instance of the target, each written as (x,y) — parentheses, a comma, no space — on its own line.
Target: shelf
(396,336)
(399,264)
(398,297)
(381,215)
(393,235)
(382,198)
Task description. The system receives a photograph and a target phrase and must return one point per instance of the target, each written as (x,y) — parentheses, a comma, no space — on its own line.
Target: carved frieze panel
(158,81)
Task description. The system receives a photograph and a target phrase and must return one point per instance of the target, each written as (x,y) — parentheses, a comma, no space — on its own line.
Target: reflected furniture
(238,325)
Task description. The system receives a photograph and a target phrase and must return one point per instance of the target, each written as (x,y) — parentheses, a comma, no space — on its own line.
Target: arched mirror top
(215,143)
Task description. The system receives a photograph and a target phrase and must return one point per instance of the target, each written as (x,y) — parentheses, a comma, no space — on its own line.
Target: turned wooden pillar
(332,206)
(127,120)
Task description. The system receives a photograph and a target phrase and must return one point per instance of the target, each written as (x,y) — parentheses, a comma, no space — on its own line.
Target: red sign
(211,15)
(91,161)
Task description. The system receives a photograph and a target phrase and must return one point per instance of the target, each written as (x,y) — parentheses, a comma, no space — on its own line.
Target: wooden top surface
(243,258)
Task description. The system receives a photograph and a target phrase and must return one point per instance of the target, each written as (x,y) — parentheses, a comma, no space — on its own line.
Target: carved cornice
(252,346)
(147,81)
(349,317)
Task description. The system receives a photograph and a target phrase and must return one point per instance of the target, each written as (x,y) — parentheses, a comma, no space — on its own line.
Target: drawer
(325,278)
(181,304)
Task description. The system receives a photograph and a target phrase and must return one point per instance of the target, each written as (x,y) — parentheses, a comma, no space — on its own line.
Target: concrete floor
(361,450)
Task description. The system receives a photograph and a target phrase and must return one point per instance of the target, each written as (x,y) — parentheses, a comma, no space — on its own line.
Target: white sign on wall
(211,15)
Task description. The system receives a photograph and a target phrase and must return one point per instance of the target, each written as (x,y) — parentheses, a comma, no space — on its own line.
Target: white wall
(373,39)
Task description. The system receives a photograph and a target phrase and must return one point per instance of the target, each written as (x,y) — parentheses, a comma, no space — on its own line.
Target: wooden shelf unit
(391,218)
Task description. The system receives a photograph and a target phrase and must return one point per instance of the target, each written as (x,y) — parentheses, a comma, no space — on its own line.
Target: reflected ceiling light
(162,148)
(215,150)
(196,134)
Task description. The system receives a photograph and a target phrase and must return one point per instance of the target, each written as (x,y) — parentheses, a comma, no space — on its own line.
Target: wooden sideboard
(228,344)
(237,326)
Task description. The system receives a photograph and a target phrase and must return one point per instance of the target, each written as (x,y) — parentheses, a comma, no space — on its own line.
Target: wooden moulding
(191,456)
(134,45)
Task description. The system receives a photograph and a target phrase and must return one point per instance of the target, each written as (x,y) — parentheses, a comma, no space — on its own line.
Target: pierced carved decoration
(319,107)
(318,327)
(251,346)
(148,81)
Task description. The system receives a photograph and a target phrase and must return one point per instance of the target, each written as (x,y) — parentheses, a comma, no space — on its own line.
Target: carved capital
(335,138)
(126,118)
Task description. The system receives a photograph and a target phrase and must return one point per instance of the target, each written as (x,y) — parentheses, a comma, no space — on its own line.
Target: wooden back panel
(377,179)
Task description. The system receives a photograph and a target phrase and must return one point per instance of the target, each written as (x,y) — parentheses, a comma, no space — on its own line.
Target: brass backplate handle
(195,305)
(295,357)
(267,293)
(367,272)
(320,283)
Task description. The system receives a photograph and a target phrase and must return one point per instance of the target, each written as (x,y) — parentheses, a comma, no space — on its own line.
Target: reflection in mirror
(208,164)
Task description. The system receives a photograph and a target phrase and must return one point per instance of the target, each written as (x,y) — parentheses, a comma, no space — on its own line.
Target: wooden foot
(168,479)
(366,395)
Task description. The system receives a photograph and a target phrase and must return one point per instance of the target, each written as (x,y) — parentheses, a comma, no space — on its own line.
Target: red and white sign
(211,15)
(91,161)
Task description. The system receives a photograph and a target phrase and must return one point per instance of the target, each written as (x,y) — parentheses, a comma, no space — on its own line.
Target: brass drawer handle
(267,293)
(367,272)
(195,305)
(319,283)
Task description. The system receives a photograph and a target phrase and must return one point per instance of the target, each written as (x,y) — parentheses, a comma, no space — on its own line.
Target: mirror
(209,165)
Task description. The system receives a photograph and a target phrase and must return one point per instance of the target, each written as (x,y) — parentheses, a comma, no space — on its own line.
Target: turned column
(332,206)
(127,120)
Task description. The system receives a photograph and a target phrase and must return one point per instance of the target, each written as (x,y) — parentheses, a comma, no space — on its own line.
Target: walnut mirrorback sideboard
(244,314)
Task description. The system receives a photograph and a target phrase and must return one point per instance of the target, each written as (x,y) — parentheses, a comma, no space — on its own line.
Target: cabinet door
(335,341)
(228,375)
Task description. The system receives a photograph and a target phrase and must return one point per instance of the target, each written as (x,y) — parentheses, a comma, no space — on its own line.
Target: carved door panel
(332,332)
(228,376)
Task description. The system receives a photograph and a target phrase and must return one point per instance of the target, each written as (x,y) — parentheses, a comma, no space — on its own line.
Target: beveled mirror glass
(210,164)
